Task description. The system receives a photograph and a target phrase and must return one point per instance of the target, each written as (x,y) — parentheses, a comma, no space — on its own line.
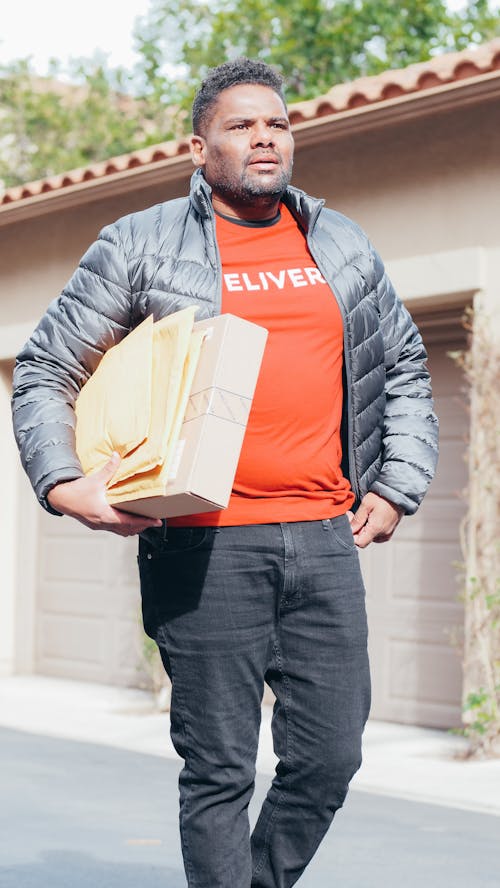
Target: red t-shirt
(289,467)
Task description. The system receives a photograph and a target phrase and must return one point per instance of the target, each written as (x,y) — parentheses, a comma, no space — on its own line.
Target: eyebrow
(251,119)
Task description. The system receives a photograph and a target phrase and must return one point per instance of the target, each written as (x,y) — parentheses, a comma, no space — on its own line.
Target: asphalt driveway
(79,814)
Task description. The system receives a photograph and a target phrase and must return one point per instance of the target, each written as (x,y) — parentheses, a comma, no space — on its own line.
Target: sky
(72,28)
(69,28)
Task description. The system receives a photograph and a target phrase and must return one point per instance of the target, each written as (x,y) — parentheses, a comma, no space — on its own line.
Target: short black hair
(233,73)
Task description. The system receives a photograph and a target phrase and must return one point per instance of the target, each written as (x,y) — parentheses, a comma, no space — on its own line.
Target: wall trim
(436,280)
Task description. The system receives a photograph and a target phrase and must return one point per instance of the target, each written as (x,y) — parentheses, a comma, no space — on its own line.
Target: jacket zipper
(353,478)
(217,305)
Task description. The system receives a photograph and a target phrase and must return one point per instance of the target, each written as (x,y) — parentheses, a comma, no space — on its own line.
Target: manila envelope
(135,401)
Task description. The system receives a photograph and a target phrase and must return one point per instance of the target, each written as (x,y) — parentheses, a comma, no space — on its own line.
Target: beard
(250,188)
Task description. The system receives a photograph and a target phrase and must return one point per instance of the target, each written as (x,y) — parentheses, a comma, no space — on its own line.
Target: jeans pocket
(172,573)
(148,603)
(342,533)
(176,540)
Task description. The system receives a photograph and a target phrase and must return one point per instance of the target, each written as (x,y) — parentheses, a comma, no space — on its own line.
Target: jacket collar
(200,195)
(301,205)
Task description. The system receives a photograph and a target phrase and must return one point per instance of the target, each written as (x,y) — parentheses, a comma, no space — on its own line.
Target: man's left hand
(375,520)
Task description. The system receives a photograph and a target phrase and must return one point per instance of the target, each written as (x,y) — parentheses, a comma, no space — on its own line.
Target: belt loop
(326,523)
(164,535)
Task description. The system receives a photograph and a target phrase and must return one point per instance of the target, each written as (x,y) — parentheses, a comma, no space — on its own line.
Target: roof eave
(110,185)
(436,100)
(441,99)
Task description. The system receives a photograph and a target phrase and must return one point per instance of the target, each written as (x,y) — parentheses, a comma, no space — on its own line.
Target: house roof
(438,71)
(377,91)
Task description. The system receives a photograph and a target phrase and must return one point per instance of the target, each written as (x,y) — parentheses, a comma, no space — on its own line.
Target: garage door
(415,616)
(88,609)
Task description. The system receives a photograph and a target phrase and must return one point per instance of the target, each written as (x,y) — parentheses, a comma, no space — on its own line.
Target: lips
(264,159)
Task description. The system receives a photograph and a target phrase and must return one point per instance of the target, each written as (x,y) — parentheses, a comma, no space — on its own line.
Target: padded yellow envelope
(135,402)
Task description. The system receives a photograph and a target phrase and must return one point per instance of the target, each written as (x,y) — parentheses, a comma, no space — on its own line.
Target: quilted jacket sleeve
(410,434)
(91,315)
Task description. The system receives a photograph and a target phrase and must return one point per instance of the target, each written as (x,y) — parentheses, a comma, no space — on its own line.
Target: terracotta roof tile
(442,69)
(438,71)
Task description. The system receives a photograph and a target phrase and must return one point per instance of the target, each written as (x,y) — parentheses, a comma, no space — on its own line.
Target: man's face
(247,148)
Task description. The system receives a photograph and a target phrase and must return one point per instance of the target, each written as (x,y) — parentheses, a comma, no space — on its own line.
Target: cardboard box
(208,450)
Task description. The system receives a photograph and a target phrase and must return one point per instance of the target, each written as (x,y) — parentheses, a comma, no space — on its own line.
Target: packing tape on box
(220,403)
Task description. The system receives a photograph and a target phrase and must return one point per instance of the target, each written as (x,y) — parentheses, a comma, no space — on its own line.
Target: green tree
(314,43)
(46,129)
(48,126)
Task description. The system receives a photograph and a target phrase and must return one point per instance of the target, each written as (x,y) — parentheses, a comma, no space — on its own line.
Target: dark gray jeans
(231,607)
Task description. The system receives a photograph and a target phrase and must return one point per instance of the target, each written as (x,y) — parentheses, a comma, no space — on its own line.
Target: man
(269,589)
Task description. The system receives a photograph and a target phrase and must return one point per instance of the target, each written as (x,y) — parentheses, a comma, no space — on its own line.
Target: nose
(262,135)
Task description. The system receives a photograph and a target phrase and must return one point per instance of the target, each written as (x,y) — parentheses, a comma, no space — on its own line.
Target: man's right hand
(85,500)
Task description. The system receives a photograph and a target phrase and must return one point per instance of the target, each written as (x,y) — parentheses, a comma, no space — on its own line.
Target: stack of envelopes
(135,403)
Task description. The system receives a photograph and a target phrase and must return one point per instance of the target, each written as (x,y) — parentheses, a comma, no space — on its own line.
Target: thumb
(109,469)
(360,518)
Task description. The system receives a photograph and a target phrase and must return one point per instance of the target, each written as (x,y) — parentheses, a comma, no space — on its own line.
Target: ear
(198,148)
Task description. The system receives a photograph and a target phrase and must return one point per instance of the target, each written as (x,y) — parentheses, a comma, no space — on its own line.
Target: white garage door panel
(452,410)
(411,569)
(88,604)
(451,474)
(67,557)
(436,520)
(72,598)
(72,638)
(127,659)
(423,670)
(413,601)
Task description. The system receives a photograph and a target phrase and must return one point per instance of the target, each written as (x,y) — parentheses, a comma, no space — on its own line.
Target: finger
(360,518)
(364,537)
(371,534)
(126,522)
(106,473)
(116,521)
(137,522)
(350,516)
(118,529)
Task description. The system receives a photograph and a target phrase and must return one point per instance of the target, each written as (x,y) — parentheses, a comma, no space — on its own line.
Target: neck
(260,209)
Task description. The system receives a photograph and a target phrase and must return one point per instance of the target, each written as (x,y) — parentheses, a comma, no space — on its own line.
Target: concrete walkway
(404,762)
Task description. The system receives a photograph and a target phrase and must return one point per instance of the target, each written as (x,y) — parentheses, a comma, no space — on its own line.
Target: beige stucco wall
(37,256)
(425,186)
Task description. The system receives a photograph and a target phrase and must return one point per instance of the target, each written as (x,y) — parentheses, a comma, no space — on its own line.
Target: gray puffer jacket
(164,258)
